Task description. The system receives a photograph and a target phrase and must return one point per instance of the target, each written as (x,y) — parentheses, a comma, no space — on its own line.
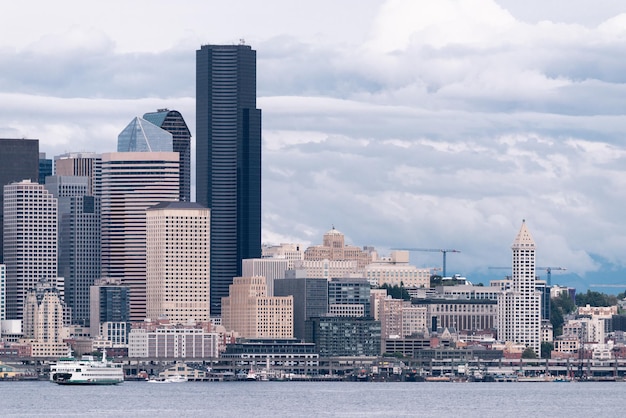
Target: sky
(402,123)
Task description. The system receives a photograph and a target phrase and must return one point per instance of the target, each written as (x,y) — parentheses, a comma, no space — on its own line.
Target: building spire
(523,238)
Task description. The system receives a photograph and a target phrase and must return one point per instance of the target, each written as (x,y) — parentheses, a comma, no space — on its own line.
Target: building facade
(310,299)
(348,291)
(110,304)
(30,241)
(3,292)
(396,271)
(84,164)
(290,252)
(131,183)
(334,248)
(178,262)
(19,160)
(519,309)
(173,122)
(271,268)
(79,241)
(340,336)
(252,314)
(170,343)
(228,159)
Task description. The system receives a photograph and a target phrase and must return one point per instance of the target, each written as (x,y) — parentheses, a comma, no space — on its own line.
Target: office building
(79,240)
(271,268)
(84,164)
(143,136)
(30,241)
(19,160)
(290,252)
(340,336)
(228,159)
(395,270)
(172,121)
(346,293)
(131,183)
(177,262)
(334,248)
(3,292)
(250,312)
(519,309)
(170,343)
(310,299)
(45,167)
(110,311)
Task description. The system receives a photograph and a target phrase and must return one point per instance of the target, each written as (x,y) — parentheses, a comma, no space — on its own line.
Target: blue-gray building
(45,167)
(310,299)
(173,122)
(350,291)
(143,136)
(228,159)
(336,336)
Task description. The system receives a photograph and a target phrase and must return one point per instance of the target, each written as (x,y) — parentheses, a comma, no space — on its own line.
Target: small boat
(86,371)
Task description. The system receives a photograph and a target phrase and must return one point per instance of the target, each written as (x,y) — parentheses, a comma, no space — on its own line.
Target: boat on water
(86,371)
(171,379)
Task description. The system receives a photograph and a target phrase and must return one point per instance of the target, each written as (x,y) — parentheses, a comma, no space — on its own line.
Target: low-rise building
(187,343)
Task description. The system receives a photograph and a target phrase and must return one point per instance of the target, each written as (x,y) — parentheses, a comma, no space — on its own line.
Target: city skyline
(415,125)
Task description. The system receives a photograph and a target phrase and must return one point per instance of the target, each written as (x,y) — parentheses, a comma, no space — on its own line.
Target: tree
(546,349)
(529,353)
(559,307)
(396,292)
(593,298)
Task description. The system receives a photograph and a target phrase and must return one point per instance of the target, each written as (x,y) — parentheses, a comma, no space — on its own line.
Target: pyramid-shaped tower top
(523,238)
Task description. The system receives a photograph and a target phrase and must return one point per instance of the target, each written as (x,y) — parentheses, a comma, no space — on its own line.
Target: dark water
(314,399)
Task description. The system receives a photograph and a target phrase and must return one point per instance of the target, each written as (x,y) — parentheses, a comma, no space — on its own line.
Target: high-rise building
(3,292)
(19,160)
(228,159)
(271,268)
(143,136)
(252,314)
(131,183)
(79,240)
(310,299)
(344,294)
(30,241)
(519,309)
(45,167)
(172,121)
(177,262)
(110,311)
(87,164)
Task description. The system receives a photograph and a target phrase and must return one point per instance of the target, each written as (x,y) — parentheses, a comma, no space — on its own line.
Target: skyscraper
(19,160)
(143,136)
(172,121)
(519,309)
(131,183)
(228,159)
(30,241)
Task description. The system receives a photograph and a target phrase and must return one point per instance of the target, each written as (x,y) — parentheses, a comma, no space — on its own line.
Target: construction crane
(548,271)
(432,250)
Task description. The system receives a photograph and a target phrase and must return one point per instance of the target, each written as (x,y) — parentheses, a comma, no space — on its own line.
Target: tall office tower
(87,164)
(79,240)
(519,309)
(131,183)
(271,268)
(172,121)
(310,299)
(3,292)
(45,167)
(19,160)
(228,159)
(177,262)
(110,311)
(250,312)
(30,241)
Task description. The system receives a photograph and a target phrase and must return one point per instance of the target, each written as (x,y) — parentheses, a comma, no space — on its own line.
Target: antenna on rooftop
(242,41)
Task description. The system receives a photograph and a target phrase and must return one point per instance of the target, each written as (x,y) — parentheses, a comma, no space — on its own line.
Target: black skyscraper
(228,159)
(19,160)
(172,121)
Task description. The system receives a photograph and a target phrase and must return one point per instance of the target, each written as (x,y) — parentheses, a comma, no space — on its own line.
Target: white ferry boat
(86,371)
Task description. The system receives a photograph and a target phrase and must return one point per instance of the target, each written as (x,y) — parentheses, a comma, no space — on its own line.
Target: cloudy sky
(403,123)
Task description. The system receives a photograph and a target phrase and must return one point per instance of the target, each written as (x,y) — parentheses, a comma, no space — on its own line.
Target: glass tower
(228,159)
(172,121)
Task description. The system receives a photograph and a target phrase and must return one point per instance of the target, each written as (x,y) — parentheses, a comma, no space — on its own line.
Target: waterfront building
(289,355)
(131,183)
(334,248)
(110,311)
(45,168)
(250,312)
(349,291)
(344,336)
(30,241)
(271,268)
(519,309)
(171,343)
(19,160)
(290,252)
(310,299)
(396,271)
(174,123)
(84,164)
(228,159)
(43,325)
(78,240)
(178,262)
